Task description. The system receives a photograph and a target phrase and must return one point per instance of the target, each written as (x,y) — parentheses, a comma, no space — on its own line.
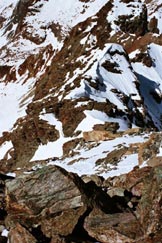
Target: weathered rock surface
(96,136)
(19,234)
(150,148)
(144,200)
(112,228)
(46,192)
(61,207)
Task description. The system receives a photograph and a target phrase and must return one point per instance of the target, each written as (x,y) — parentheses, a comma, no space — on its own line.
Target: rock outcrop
(52,205)
(96,136)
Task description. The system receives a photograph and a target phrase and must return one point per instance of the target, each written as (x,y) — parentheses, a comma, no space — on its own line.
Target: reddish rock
(143,188)
(112,228)
(62,224)
(19,234)
(121,209)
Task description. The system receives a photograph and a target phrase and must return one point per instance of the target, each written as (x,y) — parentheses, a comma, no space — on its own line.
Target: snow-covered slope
(80,91)
(70,67)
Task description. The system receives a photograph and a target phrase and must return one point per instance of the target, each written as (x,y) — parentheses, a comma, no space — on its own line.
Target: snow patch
(11,95)
(85,161)
(5,233)
(51,149)
(4,148)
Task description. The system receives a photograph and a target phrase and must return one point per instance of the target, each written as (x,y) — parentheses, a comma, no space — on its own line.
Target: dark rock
(108,126)
(111,67)
(134,25)
(152,25)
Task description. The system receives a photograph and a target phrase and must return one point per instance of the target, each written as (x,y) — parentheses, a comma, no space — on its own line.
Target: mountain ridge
(80,91)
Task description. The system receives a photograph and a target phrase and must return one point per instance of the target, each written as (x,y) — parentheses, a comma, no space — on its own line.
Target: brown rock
(57,239)
(152,238)
(152,25)
(149,207)
(113,157)
(31,132)
(51,199)
(69,146)
(97,136)
(143,187)
(133,148)
(150,148)
(108,126)
(112,228)
(155,161)
(46,192)
(62,224)
(19,234)
(133,181)
(133,131)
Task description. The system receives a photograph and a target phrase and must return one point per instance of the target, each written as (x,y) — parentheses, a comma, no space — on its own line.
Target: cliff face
(80,89)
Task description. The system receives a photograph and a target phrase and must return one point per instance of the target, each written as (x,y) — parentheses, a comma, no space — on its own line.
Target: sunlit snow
(11,95)
(85,162)
(4,148)
(51,149)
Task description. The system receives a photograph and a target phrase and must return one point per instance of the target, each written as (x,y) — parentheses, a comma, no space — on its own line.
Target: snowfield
(109,68)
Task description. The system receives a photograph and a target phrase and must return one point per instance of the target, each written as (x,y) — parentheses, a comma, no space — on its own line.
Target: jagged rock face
(71,66)
(71,208)
(80,88)
(42,192)
(134,225)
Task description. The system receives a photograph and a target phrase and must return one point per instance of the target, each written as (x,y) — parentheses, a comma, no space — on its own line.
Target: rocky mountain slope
(80,121)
